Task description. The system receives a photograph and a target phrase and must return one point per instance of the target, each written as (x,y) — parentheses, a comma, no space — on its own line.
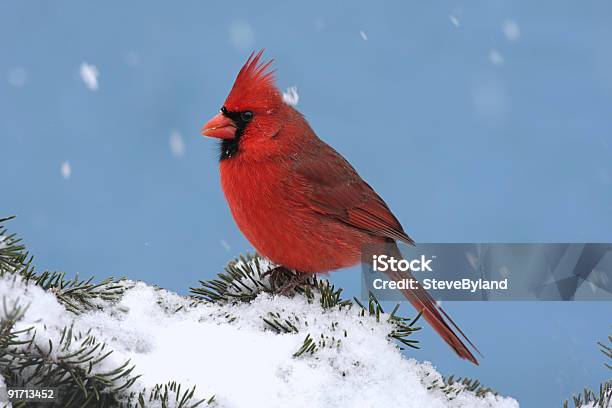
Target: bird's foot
(284,281)
(299,279)
(277,276)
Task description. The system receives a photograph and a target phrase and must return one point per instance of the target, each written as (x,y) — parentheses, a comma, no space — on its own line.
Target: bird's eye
(223,110)
(246,116)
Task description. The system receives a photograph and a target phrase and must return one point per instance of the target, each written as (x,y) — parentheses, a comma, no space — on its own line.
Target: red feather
(334,189)
(254,85)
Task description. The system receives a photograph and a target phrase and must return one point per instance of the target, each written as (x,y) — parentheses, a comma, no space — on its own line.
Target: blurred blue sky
(476,121)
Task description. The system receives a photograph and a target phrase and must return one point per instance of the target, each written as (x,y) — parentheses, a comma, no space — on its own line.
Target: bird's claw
(284,281)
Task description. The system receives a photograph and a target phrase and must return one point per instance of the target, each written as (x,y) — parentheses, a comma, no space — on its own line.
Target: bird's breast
(254,195)
(281,224)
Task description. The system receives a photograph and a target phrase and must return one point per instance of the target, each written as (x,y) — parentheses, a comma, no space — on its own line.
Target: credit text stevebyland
(384,263)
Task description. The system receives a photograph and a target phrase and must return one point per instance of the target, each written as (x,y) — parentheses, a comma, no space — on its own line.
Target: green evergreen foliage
(240,281)
(76,294)
(166,395)
(244,279)
(73,364)
(607,350)
(75,373)
(13,255)
(588,398)
(452,386)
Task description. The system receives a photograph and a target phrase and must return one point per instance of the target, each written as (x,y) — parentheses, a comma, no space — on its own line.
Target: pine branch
(80,295)
(329,296)
(246,277)
(13,255)
(469,384)
(589,399)
(241,280)
(75,294)
(607,351)
(171,394)
(309,346)
(452,387)
(74,365)
(403,327)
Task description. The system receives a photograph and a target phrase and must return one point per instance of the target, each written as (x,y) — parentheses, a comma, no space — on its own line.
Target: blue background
(462,147)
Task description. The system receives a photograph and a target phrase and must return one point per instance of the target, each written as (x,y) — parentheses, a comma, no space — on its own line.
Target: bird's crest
(254,86)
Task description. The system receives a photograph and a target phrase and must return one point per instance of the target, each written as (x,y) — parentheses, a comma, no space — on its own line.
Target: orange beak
(220,126)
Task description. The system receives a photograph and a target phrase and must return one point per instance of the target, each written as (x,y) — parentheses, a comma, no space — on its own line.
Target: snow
(241,35)
(225,245)
(3,395)
(291,96)
(495,57)
(17,77)
(177,146)
(66,170)
(89,75)
(226,351)
(363,35)
(3,241)
(454,20)
(511,30)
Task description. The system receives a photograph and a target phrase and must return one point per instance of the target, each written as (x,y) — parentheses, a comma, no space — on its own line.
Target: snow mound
(228,350)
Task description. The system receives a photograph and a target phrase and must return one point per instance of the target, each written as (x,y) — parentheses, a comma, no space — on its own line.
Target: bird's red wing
(332,187)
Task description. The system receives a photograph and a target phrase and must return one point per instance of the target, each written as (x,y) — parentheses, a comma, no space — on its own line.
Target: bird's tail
(436,316)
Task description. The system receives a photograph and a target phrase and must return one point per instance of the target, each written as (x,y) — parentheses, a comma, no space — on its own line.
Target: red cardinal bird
(295,198)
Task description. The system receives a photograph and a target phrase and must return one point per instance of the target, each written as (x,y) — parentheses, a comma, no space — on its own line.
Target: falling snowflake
(496,58)
(511,30)
(225,245)
(472,259)
(17,77)
(290,96)
(363,35)
(241,34)
(504,271)
(66,170)
(89,75)
(454,20)
(177,146)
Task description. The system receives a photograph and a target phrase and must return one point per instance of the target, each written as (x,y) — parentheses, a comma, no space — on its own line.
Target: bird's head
(250,113)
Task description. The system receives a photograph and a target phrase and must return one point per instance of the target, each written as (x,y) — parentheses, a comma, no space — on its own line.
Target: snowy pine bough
(232,343)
